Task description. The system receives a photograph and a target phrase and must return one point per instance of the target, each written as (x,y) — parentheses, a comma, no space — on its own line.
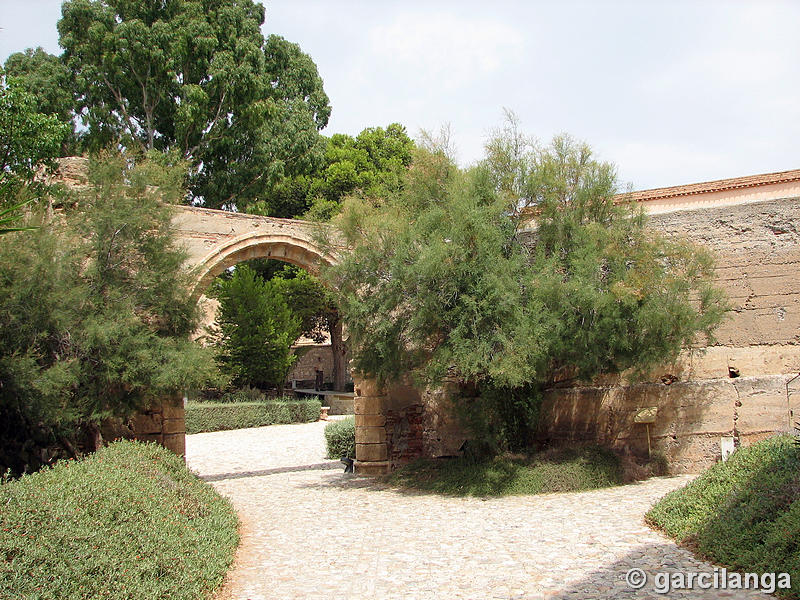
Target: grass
(340,438)
(222,416)
(743,514)
(129,522)
(563,470)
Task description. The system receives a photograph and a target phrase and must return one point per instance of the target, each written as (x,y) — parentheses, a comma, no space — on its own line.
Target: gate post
(372,452)
(164,423)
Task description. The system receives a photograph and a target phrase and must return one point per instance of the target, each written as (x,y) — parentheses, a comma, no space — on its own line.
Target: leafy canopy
(46,78)
(196,77)
(29,138)
(372,165)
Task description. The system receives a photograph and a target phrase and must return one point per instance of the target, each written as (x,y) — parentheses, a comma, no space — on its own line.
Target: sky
(672,92)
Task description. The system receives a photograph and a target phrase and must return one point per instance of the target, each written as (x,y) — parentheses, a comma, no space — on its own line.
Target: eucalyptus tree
(198,78)
(29,139)
(45,77)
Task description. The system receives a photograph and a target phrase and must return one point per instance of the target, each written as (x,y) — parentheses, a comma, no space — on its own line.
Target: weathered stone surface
(372,469)
(341,405)
(371,435)
(175,442)
(371,452)
(370,420)
(146,423)
(173,426)
(764,405)
(367,387)
(443,433)
(691,416)
(174,410)
(369,405)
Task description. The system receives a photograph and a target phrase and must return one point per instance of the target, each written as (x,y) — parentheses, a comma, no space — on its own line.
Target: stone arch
(294,249)
(301,249)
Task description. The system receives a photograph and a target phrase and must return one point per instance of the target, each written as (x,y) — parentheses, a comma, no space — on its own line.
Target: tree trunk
(95,437)
(338,350)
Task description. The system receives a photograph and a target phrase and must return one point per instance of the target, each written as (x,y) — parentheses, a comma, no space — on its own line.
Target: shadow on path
(660,563)
(326,466)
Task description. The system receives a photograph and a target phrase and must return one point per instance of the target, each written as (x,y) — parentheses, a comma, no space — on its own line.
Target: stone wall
(757,246)
(311,358)
(397,424)
(691,418)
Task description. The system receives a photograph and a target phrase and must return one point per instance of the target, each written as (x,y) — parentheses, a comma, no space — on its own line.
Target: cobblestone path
(310,531)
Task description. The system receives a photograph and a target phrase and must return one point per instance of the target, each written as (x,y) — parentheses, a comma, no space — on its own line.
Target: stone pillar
(372,453)
(163,423)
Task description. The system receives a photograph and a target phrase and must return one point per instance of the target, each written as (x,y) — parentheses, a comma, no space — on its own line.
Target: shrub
(222,416)
(129,522)
(744,513)
(243,394)
(556,470)
(340,438)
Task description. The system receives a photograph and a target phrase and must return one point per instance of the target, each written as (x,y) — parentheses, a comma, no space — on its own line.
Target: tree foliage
(256,329)
(448,278)
(95,317)
(29,138)
(197,77)
(45,77)
(371,165)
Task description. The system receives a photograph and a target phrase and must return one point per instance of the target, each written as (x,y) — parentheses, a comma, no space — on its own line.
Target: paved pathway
(310,531)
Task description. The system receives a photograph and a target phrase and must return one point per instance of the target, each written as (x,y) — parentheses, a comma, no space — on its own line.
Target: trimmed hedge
(128,522)
(221,416)
(743,514)
(340,438)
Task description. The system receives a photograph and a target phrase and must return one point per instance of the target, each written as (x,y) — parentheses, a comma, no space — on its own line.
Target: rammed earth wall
(757,246)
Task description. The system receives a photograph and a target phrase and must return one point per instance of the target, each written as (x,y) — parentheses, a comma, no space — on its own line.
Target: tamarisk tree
(508,274)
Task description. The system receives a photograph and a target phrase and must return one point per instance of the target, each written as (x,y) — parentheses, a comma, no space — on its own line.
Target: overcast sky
(672,92)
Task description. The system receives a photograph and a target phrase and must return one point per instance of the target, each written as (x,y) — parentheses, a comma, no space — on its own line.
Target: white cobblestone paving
(311,531)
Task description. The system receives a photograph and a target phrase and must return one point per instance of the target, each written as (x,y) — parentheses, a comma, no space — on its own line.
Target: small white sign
(728,446)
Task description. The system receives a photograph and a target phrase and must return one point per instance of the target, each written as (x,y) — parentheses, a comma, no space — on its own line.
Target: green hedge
(128,522)
(340,438)
(221,416)
(743,514)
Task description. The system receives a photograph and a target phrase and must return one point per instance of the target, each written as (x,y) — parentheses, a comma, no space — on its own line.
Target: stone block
(401,396)
(176,442)
(174,410)
(174,426)
(371,452)
(370,435)
(340,405)
(370,420)
(372,469)
(367,387)
(764,405)
(369,405)
(146,422)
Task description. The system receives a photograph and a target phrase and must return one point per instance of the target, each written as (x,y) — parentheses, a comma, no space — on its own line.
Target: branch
(209,127)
